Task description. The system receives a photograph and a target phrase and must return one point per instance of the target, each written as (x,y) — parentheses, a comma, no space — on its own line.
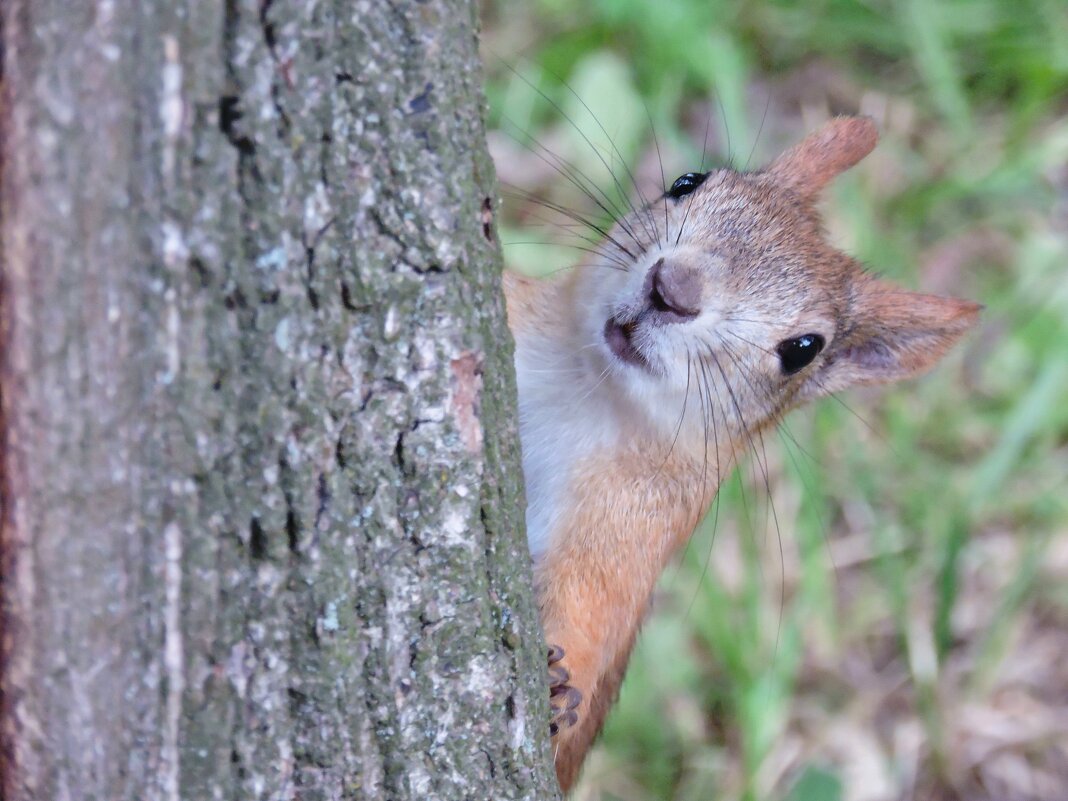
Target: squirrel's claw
(563,698)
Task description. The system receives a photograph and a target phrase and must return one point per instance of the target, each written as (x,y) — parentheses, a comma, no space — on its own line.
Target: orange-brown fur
(632,511)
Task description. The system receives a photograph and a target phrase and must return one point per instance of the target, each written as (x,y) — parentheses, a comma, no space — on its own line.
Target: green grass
(900,632)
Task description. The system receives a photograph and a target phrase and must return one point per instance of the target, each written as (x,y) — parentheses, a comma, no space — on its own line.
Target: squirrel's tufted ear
(896,334)
(810,165)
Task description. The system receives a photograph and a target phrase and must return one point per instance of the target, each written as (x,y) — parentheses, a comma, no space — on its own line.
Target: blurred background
(877,608)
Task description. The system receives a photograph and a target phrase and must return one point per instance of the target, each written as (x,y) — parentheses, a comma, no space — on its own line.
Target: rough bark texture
(261,502)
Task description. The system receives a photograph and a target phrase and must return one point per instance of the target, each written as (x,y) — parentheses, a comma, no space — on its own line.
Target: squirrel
(704,316)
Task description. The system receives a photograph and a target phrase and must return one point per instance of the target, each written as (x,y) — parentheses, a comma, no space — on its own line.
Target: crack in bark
(281,68)
(323,492)
(257,540)
(230,115)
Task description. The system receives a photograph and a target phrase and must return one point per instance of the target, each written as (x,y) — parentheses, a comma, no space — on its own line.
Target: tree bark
(260,498)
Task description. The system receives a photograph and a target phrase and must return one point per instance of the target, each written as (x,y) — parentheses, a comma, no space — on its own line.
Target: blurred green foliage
(874,599)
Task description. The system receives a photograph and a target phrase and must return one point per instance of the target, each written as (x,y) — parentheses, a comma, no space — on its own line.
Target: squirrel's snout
(673,292)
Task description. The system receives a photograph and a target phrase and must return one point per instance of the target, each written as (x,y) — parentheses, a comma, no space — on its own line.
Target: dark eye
(685,184)
(796,354)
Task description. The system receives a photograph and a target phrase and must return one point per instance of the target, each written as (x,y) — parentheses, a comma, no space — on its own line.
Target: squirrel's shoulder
(534,304)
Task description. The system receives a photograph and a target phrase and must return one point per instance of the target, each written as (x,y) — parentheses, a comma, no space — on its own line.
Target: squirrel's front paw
(563,698)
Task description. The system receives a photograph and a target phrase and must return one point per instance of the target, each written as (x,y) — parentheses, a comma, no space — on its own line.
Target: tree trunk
(260,498)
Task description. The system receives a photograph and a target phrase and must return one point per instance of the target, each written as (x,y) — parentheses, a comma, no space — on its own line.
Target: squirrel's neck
(595,463)
(628,512)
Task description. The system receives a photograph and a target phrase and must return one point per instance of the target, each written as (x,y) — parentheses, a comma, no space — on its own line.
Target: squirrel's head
(730,303)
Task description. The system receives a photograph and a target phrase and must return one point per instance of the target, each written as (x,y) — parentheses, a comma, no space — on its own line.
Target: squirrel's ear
(810,165)
(897,334)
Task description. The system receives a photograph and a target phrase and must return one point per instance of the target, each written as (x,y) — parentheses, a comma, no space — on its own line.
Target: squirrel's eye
(796,354)
(685,184)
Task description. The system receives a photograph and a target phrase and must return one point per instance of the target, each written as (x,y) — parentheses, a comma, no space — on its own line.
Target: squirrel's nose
(673,291)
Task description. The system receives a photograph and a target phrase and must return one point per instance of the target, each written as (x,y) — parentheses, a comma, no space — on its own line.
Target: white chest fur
(564,411)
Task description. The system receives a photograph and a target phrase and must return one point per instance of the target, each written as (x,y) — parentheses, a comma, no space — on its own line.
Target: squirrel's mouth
(620,340)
